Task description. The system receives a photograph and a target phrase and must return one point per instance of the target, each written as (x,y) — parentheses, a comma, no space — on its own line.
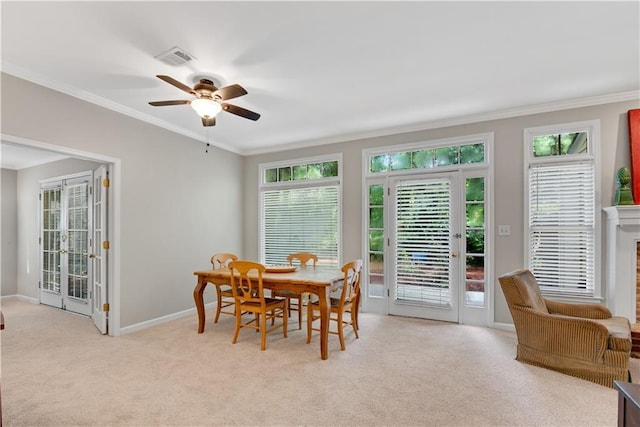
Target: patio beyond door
(424,245)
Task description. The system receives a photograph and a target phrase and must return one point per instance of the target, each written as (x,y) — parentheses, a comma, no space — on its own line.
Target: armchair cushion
(619,333)
(528,293)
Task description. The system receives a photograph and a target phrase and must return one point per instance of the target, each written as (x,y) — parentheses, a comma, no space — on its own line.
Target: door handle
(63,251)
(454,254)
(92,255)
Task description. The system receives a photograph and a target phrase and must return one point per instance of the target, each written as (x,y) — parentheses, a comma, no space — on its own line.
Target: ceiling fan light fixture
(206,108)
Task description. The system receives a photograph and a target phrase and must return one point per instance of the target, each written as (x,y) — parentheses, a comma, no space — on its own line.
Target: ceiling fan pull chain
(206,138)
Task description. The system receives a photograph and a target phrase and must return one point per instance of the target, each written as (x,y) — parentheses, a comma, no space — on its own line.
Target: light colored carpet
(58,371)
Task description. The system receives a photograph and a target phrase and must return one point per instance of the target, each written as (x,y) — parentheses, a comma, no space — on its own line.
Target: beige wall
(171,223)
(9,234)
(174,211)
(508,178)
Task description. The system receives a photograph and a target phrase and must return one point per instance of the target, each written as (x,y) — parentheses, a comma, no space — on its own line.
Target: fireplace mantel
(621,255)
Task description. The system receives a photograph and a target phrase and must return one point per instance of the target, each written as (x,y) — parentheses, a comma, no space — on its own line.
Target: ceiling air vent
(175,56)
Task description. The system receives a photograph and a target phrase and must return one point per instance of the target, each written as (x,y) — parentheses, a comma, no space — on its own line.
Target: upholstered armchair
(582,340)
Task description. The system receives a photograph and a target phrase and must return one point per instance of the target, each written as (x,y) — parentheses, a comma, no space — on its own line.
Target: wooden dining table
(320,281)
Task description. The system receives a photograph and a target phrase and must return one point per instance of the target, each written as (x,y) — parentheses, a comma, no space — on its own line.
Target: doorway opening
(103,288)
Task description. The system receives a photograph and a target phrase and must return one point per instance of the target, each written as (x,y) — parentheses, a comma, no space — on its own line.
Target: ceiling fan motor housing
(205,88)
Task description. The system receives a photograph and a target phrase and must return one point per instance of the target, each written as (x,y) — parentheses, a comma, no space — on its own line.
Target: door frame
(114,217)
(374,303)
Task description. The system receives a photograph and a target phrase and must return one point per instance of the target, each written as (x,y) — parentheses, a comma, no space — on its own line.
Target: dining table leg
(198,297)
(325,307)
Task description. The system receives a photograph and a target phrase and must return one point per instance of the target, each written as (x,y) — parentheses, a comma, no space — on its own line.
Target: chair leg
(341,330)
(238,320)
(354,323)
(219,306)
(300,312)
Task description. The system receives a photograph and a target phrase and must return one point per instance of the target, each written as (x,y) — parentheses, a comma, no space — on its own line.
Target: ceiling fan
(209,100)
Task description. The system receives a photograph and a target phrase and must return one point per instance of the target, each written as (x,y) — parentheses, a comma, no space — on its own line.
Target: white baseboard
(30,300)
(505,326)
(159,320)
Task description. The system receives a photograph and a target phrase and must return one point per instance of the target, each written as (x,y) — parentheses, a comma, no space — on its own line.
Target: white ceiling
(321,72)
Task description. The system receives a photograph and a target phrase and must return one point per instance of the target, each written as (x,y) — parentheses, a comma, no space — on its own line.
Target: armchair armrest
(588,311)
(573,337)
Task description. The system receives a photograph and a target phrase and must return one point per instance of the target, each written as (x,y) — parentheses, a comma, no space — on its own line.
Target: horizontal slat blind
(301,220)
(562,226)
(422,242)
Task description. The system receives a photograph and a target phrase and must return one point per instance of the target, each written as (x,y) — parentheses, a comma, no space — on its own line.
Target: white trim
(457,121)
(47,82)
(114,212)
(22,298)
(504,326)
(160,320)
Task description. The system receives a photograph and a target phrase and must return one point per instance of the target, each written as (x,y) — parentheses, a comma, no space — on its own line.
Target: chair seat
(226,292)
(268,302)
(335,302)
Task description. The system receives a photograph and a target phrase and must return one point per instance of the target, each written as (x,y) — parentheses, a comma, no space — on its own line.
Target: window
(562,225)
(300,210)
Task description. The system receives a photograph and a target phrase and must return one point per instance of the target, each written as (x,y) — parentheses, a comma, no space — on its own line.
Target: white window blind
(423,228)
(562,226)
(300,220)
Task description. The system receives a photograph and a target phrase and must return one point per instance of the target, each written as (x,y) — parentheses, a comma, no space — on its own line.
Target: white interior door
(99,247)
(66,207)
(424,245)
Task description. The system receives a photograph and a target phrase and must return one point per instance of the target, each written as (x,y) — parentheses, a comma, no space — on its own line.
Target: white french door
(65,235)
(100,244)
(424,246)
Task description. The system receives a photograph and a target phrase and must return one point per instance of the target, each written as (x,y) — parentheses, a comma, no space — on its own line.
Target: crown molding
(39,79)
(462,120)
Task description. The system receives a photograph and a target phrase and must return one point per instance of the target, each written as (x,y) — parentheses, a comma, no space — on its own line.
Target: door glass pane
(475,243)
(51,239)
(78,240)
(423,229)
(376,241)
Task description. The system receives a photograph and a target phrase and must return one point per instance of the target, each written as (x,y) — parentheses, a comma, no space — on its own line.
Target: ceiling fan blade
(176,83)
(163,103)
(239,111)
(230,92)
(209,121)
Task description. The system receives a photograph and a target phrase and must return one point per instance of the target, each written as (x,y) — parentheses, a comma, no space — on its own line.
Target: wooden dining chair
(347,303)
(246,285)
(223,292)
(303,258)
